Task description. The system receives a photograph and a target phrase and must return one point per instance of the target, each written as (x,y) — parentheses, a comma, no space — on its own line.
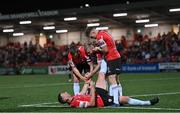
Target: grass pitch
(38,93)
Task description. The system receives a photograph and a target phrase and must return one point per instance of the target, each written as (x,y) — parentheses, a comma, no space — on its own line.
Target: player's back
(82,100)
(105,38)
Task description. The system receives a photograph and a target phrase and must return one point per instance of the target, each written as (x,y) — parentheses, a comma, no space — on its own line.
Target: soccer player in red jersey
(98,97)
(107,45)
(78,60)
(101,65)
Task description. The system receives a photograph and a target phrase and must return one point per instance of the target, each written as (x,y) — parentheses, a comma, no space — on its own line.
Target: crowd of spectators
(163,48)
(29,54)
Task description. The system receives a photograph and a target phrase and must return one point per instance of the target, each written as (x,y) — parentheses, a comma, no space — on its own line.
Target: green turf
(35,89)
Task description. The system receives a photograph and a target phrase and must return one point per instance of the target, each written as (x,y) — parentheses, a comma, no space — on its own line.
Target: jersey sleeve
(70,60)
(99,57)
(83,54)
(79,104)
(69,56)
(83,104)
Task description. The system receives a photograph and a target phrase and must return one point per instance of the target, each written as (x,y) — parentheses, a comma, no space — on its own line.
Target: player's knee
(112,79)
(124,99)
(101,76)
(76,80)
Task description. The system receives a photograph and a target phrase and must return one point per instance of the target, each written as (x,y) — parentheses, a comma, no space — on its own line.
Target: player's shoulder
(69,55)
(99,35)
(98,54)
(81,48)
(103,35)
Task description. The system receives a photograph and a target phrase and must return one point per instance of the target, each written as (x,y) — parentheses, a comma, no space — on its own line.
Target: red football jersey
(83,54)
(82,100)
(105,39)
(99,57)
(83,57)
(70,60)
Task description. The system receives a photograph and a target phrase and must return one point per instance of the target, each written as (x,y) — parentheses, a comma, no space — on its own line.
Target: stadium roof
(156,11)
(19,6)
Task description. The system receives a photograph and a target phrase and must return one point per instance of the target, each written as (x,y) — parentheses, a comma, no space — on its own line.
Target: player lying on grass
(98,97)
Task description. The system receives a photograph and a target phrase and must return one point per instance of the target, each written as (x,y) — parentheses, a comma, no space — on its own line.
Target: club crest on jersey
(109,100)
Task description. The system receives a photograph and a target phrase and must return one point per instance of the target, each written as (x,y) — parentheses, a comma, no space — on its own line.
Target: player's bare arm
(91,66)
(90,75)
(85,87)
(78,74)
(75,70)
(92,93)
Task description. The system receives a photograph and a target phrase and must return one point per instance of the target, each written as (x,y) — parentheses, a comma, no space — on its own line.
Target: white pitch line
(156,94)
(59,84)
(49,106)
(137,108)
(145,108)
(39,85)
(153,79)
(31,105)
(49,103)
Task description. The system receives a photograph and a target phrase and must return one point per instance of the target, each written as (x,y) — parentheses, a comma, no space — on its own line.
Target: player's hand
(84,79)
(96,49)
(92,84)
(88,81)
(88,75)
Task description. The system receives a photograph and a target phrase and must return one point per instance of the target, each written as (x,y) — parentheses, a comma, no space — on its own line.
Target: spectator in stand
(119,46)
(163,48)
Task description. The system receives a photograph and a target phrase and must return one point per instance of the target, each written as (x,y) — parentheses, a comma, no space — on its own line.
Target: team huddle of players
(108,68)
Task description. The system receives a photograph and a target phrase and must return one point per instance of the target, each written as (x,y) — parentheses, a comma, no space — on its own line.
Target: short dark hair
(60,99)
(88,31)
(73,49)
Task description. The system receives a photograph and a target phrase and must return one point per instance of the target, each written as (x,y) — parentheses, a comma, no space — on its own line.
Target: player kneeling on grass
(98,97)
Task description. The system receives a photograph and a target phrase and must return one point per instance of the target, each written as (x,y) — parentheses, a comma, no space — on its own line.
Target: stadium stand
(163,48)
